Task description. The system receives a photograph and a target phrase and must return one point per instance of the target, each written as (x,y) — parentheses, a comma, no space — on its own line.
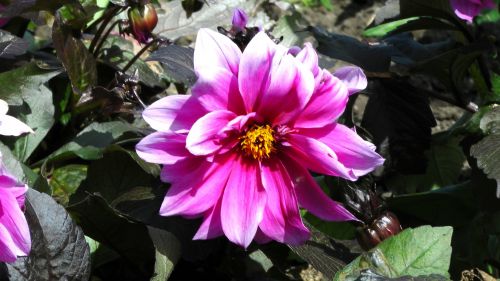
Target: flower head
(468,9)
(143,20)
(238,151)
(15,238)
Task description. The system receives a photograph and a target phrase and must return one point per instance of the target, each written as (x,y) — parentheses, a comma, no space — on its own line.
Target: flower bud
(385,226)
(143,20)
(240,20)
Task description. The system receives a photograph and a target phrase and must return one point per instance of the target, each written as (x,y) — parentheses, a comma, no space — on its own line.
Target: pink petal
(353,77)
(4,107)
(255,69)
(163,148)
(317,156)
(243,203)
(10,126)
(312,198)
(290,88)
(204,138)
(326,104)
(309,58)
(177,171)
(214,50)
(465,9)
(14,231)
(352,151)
(212,224)
(197,191)
(218,90)
(173,113)
(281,221)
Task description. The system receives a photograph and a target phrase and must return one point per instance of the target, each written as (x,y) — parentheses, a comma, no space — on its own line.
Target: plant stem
(104,36)
(139,54)
(107,17)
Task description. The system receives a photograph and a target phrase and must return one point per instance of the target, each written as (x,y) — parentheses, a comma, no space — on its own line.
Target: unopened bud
(143,20)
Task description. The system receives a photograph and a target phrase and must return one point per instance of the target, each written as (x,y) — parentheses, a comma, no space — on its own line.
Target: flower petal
(204,137)
(195,192)
(163,148)
(10,126)
(212,224)
(290,88)
(214,50)
(281,221)
(173,113)
(465,9)
(14,231)
(218,90)
(240,19)
(352,151)
(4,107)
(312,198)
(309,58)
(178,170)
(327,103)
(353,77)
(255,67)
(317,156)
(243,203)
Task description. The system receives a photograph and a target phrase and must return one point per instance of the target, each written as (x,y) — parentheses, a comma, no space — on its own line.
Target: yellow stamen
(258,142)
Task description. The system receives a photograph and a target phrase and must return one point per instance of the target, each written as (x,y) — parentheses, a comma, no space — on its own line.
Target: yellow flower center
(258,142)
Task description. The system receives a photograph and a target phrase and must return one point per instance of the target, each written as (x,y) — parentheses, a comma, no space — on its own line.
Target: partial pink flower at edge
(238,151)
(15,238)
(468,9)
(10,126)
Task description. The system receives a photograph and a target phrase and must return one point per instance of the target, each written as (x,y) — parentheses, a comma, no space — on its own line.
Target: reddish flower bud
(143,20)
(382,228)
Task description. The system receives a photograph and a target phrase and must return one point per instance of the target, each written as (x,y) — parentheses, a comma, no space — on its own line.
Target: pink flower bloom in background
(240,19)
(238,151)
(353,77)
(3,21)
(15,238)
(10,126)
(468,9)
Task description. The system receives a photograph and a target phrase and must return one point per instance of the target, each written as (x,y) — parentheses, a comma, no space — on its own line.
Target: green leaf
(91,142)
(487,153)
(495,80)
(112,176)
(66,180)
(117,52)
(124,236)
(24,81)
(168,252)
(56,240)
(77,60)
(445,161)
(420,251)
(38,113)
(405,25)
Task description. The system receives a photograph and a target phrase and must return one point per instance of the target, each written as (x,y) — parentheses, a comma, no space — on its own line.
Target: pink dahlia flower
(468,9)
(238,151)
(15,238)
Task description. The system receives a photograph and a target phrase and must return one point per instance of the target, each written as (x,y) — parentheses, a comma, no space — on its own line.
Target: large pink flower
(14,232)
(239,149)
(468,9)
